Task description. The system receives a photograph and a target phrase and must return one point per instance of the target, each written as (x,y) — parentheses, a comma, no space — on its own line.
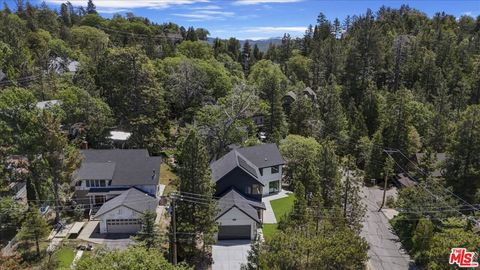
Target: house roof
(263,155)
(96,170)
(439,161)
(291,94)
(132,198)
(234,199)
(250,159)
(130,166)
(404,180)
(47,104)
(119,135)
(309,92)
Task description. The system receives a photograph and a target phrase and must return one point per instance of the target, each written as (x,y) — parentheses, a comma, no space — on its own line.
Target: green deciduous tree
(129,259)
(128,84)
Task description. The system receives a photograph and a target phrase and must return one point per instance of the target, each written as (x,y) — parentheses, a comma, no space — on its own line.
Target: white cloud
(208,7)
(276,29)
(256,2)
(129,4)
(206,15)
(111,10)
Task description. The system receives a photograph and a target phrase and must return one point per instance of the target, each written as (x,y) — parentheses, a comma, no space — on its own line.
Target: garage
(123,225)
(234,232)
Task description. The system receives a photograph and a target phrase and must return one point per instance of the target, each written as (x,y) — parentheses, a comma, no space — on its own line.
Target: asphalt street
(385,251)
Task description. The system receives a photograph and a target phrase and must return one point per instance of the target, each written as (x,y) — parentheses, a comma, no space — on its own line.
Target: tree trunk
(37,245)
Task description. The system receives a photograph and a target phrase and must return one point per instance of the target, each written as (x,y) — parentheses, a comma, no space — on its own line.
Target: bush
(390,201)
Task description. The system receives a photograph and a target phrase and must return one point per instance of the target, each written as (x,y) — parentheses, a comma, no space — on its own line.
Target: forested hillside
(388,79)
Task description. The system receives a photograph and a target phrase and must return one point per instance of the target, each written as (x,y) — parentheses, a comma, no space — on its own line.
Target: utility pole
(388,169)
(174,232)
(384,192)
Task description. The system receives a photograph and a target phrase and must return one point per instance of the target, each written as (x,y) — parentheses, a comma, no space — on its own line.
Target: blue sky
(258,19)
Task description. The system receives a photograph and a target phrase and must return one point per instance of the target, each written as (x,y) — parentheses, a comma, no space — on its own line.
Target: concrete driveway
(230,254)
(111,241)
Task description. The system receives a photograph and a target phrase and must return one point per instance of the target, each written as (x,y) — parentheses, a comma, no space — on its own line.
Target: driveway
(111,241)
(385,252)
(230,254)
(268,214)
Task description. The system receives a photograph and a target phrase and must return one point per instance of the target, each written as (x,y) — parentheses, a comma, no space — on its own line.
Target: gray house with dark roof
(238,217)
(105,174)
(255,171)
(242,177)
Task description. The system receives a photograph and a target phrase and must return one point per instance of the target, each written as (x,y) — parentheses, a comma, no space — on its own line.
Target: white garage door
(123,225)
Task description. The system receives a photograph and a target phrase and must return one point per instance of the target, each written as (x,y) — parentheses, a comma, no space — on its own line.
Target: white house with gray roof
(122,214)
(112,178)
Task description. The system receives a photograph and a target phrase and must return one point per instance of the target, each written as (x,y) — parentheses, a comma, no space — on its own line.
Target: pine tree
(34,228)
(148,234)
(195,218)
(91,8)
(299,216)
(271,83)
(191,34)
(246,58)
(374,164)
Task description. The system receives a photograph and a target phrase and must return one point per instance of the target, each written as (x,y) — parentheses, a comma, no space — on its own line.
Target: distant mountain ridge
(261,43)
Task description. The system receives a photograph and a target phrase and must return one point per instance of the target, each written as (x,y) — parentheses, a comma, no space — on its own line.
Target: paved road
(385,251)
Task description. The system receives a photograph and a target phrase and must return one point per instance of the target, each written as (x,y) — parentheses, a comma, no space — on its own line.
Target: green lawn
(65,257)
(167,178)
(281,207)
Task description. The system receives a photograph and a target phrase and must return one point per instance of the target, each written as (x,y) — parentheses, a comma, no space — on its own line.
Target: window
(261,171)
(102,183)
(78,183)
(257,189)
(248,190)
(87,182)
(275,169)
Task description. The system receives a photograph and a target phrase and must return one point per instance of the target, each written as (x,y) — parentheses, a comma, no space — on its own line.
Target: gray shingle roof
(94,171)
(234,199)
(263,155)
(250,159)
(131,166)
(131,198)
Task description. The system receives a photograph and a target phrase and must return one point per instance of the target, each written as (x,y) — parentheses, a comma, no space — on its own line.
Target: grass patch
(167,178)
(64,257)
(269,229)
(281,208)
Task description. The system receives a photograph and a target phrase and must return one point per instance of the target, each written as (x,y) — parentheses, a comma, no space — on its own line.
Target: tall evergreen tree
(91,8)
(196,217)
(271,83)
